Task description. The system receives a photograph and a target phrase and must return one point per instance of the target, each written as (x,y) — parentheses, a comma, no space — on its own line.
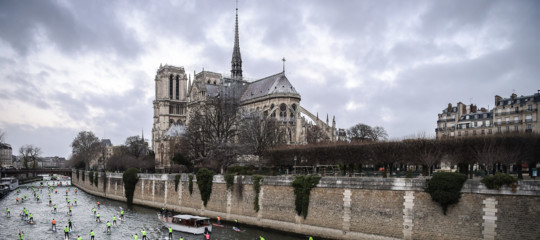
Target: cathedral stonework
(273,97)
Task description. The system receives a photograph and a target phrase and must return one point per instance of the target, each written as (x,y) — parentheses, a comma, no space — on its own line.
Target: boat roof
(186,216)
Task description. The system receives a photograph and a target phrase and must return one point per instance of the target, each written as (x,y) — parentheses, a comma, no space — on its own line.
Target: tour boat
(10,182)
(187,223)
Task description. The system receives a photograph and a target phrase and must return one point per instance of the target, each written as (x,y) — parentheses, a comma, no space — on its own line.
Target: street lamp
(295,165)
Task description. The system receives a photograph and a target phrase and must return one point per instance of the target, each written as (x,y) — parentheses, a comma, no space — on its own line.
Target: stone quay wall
(343,207)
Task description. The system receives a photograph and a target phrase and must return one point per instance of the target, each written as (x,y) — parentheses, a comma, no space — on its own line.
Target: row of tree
(86,147)
(494,153)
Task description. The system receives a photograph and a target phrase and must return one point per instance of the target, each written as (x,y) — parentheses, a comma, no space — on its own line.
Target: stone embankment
(345,208)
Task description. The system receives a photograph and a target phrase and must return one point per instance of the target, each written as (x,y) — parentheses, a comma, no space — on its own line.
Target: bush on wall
(130,180)
(257,188)
(302,188)
(204,182)
(190,186)
(498,180)
(91,177)
(229,179)
(445,188)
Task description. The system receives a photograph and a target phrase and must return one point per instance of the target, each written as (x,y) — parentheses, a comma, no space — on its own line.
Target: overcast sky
(69,66)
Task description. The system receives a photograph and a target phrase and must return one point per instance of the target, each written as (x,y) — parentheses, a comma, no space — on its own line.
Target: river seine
(137,218)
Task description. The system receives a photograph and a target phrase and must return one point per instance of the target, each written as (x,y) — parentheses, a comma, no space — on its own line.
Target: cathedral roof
(275,84)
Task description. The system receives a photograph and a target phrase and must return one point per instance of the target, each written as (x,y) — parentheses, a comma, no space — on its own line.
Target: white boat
(11,182)
(187,223)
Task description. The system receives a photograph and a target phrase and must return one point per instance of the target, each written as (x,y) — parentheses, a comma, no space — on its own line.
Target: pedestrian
(53,224)
(114,220)
(70,224)
(8,212)
(219,220)
(170,232)
(92,234)
(136,236)
(143,234)
(79,237)
(21,234)
(108,226)
(66,232)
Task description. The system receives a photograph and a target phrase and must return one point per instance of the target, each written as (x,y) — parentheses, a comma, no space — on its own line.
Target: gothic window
(177,87)
(273,112)
(293,112)
(282,112)
(171,86)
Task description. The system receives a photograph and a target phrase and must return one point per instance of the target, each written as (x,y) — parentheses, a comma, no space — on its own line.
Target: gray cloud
(441,52)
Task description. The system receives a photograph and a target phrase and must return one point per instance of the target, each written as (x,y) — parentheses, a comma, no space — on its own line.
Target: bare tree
(29,153)
(314,134)
(136,146)
(428,152)
(259,133)
(213,125)
(378,134)
(85,147)
(365,133)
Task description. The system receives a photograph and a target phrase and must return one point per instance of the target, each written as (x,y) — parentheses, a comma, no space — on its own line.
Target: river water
(136,218)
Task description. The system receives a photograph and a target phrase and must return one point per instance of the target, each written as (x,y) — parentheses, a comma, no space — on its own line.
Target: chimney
(463,109)
(513,96)
(483,110)
(473,108)
(449,107)
(497,99)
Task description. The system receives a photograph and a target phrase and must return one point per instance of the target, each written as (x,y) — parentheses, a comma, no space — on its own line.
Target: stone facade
(272,96)
(345,208)
(6,158)
(510,115)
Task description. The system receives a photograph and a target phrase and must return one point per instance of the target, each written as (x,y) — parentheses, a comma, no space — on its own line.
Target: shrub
(130,179)
(229,179)
(96,179)
(302,188)
(257,188)
(176,181)
(498,180)
(445,188)
(91,177)
(190,186)
(204,182)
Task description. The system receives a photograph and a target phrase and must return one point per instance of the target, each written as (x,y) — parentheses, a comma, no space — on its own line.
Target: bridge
(31,173)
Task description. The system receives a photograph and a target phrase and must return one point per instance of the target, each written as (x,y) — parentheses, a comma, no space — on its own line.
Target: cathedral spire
(236,61)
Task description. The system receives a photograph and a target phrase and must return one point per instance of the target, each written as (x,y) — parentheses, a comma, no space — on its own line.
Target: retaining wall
(345,208)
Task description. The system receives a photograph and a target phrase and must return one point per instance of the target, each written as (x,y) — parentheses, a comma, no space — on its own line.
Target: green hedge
(229,179)
(257,188)
(498,180)
(445,188)
(130,180)
(204,182)
(91,177)
(190,186)
(302,188)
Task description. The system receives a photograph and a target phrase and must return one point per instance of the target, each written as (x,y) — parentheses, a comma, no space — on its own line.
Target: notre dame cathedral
(273,96)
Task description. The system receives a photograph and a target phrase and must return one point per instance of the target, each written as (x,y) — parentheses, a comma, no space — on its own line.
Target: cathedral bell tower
(236,61)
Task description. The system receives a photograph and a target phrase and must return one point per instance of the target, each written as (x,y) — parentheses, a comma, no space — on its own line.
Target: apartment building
(510,115)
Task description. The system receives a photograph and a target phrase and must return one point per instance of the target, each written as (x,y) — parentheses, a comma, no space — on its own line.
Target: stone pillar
(153,190)
(490,218)
(142,190)
(261,197)
(347,209)
(408,214)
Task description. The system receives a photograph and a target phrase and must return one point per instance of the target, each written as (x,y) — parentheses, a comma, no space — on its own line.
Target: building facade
(6,158)
(510,115)
(273,96)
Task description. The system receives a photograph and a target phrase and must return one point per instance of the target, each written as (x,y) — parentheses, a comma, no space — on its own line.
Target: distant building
(52,162)
(510,115)
(5,155)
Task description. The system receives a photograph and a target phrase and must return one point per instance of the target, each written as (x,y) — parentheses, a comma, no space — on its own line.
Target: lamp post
(295,165)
